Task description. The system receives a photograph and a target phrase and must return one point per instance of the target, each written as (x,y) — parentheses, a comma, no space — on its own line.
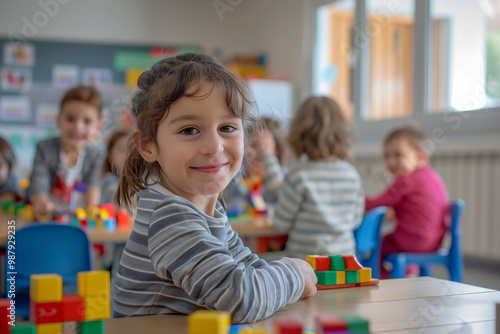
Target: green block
(23,328)
(326,277)
(337,263)
(91,327)
(356,324)
(351,276)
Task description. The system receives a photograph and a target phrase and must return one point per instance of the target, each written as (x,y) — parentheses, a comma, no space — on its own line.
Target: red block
(351,262)
(73,307)
(323,263)
(44,313)
(122,220)
(326,323)
(5,313)
(287,326)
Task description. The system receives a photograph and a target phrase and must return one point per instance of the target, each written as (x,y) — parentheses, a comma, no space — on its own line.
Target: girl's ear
(146,148)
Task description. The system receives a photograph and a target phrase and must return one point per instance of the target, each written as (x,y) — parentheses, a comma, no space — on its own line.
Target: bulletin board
(36,73)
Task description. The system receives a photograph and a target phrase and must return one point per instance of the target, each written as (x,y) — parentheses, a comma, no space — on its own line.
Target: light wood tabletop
(409,305)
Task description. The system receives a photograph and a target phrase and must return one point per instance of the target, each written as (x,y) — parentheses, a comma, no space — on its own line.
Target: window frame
(473,129)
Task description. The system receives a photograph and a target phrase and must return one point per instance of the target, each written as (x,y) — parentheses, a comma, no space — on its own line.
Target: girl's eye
(227,128)
(189,131)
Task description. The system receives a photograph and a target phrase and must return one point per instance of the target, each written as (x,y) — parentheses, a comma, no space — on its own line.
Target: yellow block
(97,307)
(252,331)
(46,288)
(311,259)
(365,275)
(93,283)
(213,322)
(340,277)
(51,328)
(132,75)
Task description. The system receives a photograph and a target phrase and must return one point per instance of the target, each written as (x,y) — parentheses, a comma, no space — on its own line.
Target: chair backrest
(367,235)
(456,210)
(52,248)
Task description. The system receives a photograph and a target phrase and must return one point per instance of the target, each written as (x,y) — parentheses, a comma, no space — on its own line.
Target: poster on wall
(46,114)
(16,53)
(15,109)
(16,79)
(64,76)
(101,78)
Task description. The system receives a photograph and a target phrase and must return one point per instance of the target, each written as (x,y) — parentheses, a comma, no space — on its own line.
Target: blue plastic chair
(48,248)
(451,258)
(368,239)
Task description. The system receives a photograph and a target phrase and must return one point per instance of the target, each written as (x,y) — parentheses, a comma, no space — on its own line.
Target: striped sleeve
(240,253)
(182,247)
(288,206)
(273,179)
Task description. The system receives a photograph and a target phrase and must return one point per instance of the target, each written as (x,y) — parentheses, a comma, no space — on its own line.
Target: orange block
(351,262)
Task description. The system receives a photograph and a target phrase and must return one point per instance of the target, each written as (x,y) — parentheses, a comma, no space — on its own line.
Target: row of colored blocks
(218,322)
(49,307)
(339,269)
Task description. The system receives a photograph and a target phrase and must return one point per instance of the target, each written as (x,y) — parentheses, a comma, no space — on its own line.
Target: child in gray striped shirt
(182,254)
(321,198)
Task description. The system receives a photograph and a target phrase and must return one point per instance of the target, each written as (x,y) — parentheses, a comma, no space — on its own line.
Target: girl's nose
(211,144)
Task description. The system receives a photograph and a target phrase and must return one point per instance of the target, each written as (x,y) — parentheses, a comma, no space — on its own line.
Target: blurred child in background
(9,184)
(113,165)
(62,162)
(321,199)
(417,195)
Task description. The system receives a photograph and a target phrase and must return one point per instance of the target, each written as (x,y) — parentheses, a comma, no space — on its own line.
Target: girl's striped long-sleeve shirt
(319,205)
(178,260)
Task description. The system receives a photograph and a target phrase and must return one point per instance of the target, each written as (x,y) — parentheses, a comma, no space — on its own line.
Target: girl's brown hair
(7,154)
(87,94)
(320,130)
(117,135)
(158,88)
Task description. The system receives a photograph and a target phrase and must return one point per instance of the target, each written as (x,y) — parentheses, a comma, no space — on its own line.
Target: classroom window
(465,53)
(333,45)
(391,58)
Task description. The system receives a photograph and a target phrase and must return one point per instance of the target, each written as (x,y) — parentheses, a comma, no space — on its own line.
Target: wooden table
(409,305)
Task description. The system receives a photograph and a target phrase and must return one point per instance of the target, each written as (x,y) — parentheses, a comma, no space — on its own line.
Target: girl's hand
(310,278)
(42,207)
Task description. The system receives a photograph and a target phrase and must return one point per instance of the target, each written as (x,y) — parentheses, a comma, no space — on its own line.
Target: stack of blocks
(340,271)
(51,310)
(218,322)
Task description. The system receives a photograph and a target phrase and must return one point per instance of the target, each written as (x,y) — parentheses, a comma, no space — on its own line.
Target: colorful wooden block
(351,276)
(52,328)
(205,322)
(330,277)
(44,313)
(91,327)
(73,307)
(341,277)
(252,331)
(97,307)
(7,313)
(365,275)
(93,283)
(351,262)
(122,220)
(374,281)
(322,263)
(356,324)
(23,328)
(324,323)
(46,288)
(311,259)
(287,326)
(337,263)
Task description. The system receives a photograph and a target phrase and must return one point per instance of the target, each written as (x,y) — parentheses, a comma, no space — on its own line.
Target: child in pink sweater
(417,195)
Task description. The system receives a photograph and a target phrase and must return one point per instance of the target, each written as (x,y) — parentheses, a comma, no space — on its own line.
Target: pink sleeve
(391,197)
